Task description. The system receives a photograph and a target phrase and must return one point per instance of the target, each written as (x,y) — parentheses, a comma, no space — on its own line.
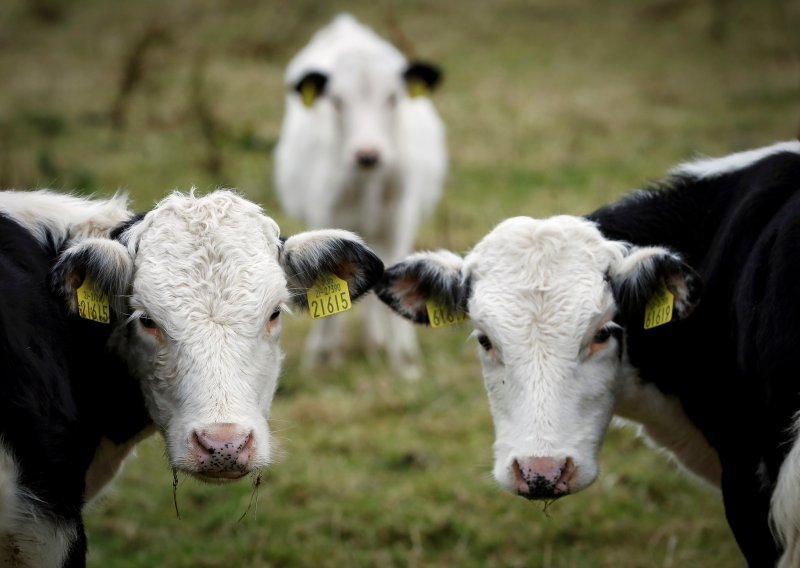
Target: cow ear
(307,256)
(310,87)
(641,276)
(421,78)
(407,286)
(105,262)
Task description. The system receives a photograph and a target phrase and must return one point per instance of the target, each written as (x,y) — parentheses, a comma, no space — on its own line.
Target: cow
(675,307)
(361,147)
(115,325)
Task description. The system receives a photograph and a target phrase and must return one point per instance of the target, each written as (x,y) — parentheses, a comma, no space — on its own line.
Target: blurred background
(552,106)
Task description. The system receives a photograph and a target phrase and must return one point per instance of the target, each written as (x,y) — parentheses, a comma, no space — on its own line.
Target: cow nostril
(543,477)
(367,158)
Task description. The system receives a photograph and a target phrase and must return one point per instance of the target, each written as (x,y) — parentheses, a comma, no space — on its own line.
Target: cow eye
(485,342)
(275,315)
(147,323)
(602,335)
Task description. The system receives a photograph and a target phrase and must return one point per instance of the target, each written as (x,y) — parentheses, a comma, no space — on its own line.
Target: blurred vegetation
(551,106)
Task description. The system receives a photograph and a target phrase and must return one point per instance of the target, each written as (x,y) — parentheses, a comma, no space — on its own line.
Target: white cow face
(364,91)
(547,299)
(204,281)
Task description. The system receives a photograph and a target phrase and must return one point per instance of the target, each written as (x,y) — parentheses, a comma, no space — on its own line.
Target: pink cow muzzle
(222,451)
(543,477)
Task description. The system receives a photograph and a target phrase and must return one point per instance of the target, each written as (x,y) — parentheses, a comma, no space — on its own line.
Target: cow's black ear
(306,257)
(639,280)
(422,78)
(408,286)
(106,263)
(310,87)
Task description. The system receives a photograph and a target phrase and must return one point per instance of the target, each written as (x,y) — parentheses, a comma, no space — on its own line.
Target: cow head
(364,91)
(199,285)
(548,300)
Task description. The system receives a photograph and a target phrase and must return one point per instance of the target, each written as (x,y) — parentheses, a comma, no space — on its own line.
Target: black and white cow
(581,318)
(186,343)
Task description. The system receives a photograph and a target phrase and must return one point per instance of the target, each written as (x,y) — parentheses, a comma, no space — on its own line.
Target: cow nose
(543,477)
(368,158)
(222,450)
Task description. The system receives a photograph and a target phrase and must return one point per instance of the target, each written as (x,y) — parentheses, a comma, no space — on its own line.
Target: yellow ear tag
(441,316)
(418,88)
(93,304)
(329,295)
(308,93)
(658,310)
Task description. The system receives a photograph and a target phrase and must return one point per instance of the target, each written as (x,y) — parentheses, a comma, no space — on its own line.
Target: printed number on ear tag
(93,304)
(329,295)
(441,316)
(658,310)
(417,89)
(308,93)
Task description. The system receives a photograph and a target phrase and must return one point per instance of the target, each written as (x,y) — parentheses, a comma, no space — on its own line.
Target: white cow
(362,148)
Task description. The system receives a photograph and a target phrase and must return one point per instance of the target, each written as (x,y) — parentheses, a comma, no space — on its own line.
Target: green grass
(552,106)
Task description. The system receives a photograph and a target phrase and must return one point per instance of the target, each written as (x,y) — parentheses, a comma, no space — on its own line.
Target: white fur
(8,489)
(63,217)
(711,167)
(207,273)
(785,504)
(538,293)
(317,178)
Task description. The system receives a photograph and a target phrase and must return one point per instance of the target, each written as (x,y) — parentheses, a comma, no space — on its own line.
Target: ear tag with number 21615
(329,295)
(93,304)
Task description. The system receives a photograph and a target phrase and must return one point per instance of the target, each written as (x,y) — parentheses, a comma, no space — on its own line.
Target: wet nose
(543,477)
(223,450)
(368,158)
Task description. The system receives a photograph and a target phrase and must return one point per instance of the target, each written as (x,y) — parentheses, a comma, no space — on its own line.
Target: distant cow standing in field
(115,325)
(581,318)
(362,147)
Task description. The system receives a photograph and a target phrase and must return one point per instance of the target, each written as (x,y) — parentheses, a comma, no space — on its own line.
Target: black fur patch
(61,389)
(733,363)
(428,73)
(117,232)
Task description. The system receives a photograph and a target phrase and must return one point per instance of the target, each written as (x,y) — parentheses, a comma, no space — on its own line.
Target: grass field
(551,106)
